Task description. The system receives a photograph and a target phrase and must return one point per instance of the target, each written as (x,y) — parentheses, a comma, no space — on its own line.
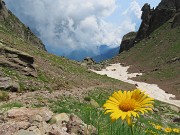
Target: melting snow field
(119,72)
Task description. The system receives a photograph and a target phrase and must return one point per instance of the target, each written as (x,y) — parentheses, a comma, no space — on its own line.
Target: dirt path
(119,72)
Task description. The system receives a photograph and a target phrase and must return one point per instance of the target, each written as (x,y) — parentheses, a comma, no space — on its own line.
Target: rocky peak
(146,13)
(154,18)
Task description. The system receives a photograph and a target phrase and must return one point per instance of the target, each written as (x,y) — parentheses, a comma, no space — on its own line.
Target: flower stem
(132,133)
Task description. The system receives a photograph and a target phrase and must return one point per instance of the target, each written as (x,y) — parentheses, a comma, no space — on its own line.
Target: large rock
(60,118)
(28,113)
(8,84)
(17,60)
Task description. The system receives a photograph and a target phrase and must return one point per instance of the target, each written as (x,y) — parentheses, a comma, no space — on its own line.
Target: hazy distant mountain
(105,52)
(80,54)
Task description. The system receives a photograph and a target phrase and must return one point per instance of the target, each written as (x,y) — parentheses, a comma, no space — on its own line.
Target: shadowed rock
(127,41)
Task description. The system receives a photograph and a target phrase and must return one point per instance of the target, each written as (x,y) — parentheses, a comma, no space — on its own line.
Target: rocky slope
(11,24)
(155,50)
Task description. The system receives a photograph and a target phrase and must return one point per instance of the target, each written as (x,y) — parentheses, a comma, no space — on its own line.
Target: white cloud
(134,9)
(66,25)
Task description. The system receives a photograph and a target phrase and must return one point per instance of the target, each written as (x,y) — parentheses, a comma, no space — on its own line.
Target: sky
(68,25)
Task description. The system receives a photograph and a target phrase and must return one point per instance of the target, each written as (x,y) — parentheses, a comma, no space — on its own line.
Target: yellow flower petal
(128,104)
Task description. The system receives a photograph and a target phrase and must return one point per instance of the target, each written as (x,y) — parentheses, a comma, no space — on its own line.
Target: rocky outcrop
(127,41)
(17,60)
(154,18)
(41,121)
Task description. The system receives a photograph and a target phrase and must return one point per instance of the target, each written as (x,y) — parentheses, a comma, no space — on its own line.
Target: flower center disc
(127,105)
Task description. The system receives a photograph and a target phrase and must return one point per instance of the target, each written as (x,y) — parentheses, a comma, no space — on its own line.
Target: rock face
(17,60)
(127,41)
(176,21)
(154,18)
(34,121)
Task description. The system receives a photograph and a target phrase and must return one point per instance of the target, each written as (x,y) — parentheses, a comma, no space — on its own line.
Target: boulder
(76,126)
(28,113)
(8,84)
(60,118)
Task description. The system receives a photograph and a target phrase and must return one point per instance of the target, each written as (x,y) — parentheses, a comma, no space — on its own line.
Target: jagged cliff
(153,19)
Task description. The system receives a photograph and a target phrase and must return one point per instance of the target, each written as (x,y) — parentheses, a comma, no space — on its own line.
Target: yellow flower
(128,104)
(176,130)
(158,127)
(167,130)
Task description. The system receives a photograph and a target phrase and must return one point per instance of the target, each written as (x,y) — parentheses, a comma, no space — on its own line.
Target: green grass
(10,105)
(4,96)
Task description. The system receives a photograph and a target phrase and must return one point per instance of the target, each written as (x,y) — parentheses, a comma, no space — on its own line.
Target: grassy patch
(8,106)
(4,96)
